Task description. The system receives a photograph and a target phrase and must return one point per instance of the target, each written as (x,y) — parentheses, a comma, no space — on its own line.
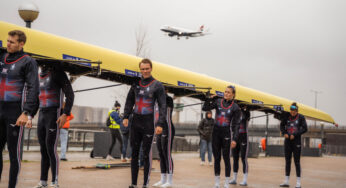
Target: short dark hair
(21,35)
(146,61)
(116,104)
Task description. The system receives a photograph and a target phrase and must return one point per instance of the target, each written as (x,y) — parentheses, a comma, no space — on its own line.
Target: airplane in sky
(181,32)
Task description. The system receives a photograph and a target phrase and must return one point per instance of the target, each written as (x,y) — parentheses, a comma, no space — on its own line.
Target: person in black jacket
(19,89)
(205,130)
(140,102)
(227,113)
(53,85)
(292,127)
(242,147)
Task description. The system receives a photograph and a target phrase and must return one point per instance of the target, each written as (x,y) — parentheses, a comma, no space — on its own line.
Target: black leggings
(243,148)
(115,136)
(47,132)
(292,146)
(164,144)
(12,134)
(142,130)
(221,142)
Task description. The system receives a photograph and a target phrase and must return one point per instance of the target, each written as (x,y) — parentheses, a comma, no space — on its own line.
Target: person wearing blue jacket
(114,127)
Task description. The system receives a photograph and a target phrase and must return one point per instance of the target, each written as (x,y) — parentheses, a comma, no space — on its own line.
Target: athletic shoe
(39,185)
(226,185)
(166,185)
(233,181)
(63,159)
(243,183)
(216,186)
(133,186)
(109,157)
(158,184)
(54,185)
(285,184)
(210,163)
(202,163)
(298,185)
(145,186)
(128,159)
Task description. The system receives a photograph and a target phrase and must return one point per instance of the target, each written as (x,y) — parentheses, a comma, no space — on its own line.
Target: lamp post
(316,93)
(28,12)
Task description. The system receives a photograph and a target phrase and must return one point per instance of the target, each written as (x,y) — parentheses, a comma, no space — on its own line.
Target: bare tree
(142,42)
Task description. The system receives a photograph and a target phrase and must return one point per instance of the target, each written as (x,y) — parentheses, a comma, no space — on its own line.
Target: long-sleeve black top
(234,115)
(66,87)
(159,96)
(52,81)
(20,71)
(297,122)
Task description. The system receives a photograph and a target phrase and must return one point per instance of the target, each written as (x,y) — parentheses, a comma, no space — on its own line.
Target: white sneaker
(210,163)
(202,163)
(226,185)
(285,184)
(109,157)
(39,185)
(158,184)
(243,183)
(298,185)
(54,185)
(233,181)
(166,185)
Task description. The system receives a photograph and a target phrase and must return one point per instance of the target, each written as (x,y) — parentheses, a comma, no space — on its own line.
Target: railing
(72,131)
(82,137)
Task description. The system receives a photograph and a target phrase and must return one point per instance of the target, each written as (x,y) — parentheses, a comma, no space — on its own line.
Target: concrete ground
(263,172)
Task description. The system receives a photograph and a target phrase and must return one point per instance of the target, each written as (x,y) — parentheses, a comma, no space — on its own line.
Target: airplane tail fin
(201,28)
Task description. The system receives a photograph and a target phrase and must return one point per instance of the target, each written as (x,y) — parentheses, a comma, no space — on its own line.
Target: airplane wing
(123,68)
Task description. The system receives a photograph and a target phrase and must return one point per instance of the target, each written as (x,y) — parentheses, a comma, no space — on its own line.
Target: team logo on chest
(44,82)
(4,71)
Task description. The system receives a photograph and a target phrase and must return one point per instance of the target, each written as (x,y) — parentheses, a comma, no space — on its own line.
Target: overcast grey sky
(285,48)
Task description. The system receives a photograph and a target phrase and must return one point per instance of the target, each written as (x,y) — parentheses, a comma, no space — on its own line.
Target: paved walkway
(264,172)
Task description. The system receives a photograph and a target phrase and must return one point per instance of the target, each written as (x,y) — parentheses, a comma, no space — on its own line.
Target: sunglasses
(293,108)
